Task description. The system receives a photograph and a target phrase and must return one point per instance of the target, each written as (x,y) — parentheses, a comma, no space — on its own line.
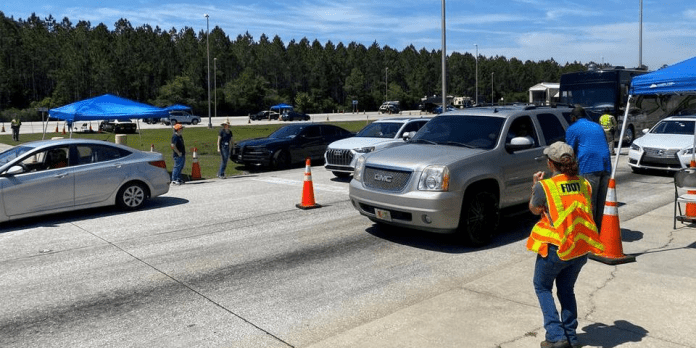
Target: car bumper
(641,159)
(422,210)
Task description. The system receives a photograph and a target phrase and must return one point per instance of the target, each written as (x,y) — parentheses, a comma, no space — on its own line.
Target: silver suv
(459,170)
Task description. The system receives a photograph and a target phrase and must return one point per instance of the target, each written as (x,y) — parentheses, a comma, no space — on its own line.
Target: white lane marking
(300,183)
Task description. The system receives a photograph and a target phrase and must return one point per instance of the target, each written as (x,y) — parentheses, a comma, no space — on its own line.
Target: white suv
(459,170)
(341,155)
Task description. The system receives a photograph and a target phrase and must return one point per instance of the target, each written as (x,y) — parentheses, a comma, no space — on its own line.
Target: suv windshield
(380,130)
(286,132)
(470,131)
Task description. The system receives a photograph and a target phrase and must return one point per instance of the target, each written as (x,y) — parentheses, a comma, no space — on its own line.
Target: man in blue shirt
(594,160)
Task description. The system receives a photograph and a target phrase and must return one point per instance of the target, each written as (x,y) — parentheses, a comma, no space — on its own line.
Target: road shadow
(628,235)
(53,220)
(609,336)
(515,225)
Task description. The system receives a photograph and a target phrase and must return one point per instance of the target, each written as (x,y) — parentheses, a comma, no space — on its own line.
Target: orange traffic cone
(152,147)
(63,129)
(610,235)
(308,189)
(196,169)
(56,127)
(3,128)
(691,207)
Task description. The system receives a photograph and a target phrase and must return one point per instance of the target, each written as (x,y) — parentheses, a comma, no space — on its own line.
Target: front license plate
(383,214)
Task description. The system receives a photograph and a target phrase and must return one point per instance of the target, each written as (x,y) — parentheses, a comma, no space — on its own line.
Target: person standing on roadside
(562,238)
(608,122)
(179,153)
(15,124)
(590,145)
(224,143)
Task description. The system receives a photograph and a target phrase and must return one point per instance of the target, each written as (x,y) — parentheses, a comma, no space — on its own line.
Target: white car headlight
(688,150)
(365,149)
(434,178)
(359,167)
(635,147)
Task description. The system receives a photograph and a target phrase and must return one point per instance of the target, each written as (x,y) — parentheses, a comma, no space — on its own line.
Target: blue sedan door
(44,186)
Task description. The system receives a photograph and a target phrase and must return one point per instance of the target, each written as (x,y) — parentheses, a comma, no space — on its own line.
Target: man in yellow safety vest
(608,122)
(562,238)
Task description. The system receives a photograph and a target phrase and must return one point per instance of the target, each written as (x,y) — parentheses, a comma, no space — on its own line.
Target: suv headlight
(359,167)
(434,178)
(365,149)
(635,147)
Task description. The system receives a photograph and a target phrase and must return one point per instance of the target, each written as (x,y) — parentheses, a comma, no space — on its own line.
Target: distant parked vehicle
(118,126)
(294,116)
(181,116)
(390,107)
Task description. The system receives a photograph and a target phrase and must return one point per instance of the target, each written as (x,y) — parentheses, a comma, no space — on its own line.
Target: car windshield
(13,153)
(380,130)
(468,131)
(674,127)
(287,132)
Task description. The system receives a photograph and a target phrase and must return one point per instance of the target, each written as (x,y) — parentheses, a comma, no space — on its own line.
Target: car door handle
(118,165)
(540,158)
(60,175)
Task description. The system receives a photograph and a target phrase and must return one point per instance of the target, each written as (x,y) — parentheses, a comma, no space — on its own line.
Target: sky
(600,31)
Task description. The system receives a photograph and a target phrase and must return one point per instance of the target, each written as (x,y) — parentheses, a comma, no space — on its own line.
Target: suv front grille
(339,157)
(386,179)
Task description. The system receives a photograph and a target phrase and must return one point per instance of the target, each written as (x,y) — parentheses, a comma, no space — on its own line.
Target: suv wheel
(479,218)
(281,160)
(194,122)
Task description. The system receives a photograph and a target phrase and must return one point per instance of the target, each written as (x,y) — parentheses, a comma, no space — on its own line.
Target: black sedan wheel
(194,122)
(131,196)
(281,159)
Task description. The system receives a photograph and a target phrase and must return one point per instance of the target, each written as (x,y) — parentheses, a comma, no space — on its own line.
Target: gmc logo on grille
(383,178)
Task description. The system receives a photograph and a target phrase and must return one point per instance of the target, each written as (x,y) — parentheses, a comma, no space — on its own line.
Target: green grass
(204,139)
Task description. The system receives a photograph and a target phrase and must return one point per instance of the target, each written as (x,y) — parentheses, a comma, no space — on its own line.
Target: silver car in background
(52,176)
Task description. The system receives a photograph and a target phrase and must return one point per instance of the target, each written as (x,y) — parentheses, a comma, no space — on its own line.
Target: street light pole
(215,82)
(492,100)
(207,43)
(386,84)
(476,100)
(444,61)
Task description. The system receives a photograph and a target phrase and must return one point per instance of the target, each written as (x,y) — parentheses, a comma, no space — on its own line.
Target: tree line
(50,63)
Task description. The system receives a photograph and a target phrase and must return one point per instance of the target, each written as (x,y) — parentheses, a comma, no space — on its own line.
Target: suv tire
(479,218)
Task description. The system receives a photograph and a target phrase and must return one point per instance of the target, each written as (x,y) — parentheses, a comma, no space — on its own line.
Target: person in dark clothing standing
(224,144)
(179,154)
(15,124)
(589,142)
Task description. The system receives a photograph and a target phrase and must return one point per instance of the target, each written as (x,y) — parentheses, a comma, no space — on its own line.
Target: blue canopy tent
(104,107)
(177,107)
(677,79)
(281,107)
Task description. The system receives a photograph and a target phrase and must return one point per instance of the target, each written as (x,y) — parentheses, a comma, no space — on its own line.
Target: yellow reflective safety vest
(607,121)
(569,224)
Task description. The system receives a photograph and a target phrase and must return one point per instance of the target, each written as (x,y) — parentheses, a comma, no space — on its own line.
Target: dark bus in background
(604,90)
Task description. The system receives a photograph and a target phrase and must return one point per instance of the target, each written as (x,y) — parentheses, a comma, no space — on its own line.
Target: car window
(674,127)
(13,153)
(414,126)
(522,127)
(52,158)
(551,127)
(312,132)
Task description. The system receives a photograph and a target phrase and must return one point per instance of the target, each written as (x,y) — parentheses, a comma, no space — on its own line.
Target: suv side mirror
(519,143)
(408,135)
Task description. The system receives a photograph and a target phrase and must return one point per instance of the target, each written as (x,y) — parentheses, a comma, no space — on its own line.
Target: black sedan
(294,116)
(264,115)
(289,145)
(118,126)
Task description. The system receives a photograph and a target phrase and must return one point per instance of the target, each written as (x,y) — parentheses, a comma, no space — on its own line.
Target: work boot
(557,344)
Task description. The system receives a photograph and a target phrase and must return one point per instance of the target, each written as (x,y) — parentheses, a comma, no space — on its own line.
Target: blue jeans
(599,181)
(178,166)
(225,154)
(564,273)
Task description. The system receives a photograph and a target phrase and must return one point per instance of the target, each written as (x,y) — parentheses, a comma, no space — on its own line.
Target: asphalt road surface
(233,263)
